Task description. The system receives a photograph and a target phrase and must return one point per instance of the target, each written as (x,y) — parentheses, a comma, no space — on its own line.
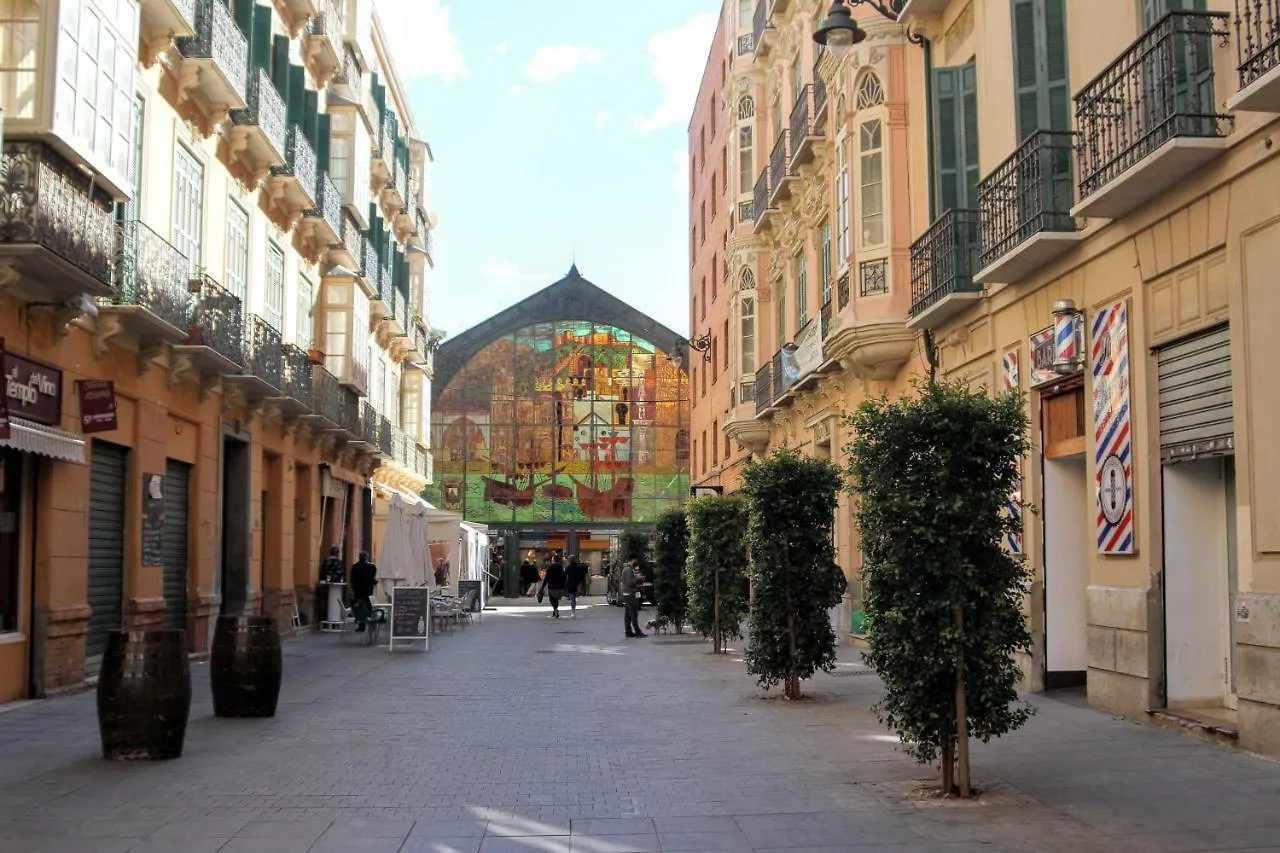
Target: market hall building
(560,423)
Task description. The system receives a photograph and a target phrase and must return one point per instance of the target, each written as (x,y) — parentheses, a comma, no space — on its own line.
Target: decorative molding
(146,354)
(106,327)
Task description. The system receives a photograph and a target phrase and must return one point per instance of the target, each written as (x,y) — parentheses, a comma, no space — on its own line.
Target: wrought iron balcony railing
(944,260)
(824,318)
(1257,38)
(819,94)
(746,211)
(218,39)
(746,44)
(801,126)
(298,375)
(873,277)
(1159,89)
(386,438)
(368,424)
(761,202)
(1029,193)
(349,73)
(369,267)
(422,466)
(327,395)
(349,416)
(352,239)
(216,321)
(842,292)
(396,302)
(265,109)
(384,283)
(780,163)
(759,21)
(299,159)
(328,203)
(151,274)
(45,202)
(188,10)
(263,356)
(387,142)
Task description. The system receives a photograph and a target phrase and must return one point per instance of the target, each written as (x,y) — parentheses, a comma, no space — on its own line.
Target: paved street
(526,734)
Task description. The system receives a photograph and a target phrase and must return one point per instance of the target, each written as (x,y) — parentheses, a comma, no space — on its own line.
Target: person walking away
(632,577)
(553,586)
(573,578)
(528,577)
(364,576)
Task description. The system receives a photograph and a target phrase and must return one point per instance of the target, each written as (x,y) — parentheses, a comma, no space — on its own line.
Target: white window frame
(871,102)
(237,274)
(273,295)
(304,324)
(188,205)
(843,201)
(747,335)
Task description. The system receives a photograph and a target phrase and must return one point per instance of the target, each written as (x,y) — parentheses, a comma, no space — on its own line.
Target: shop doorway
(1199,581)
(234,573)
(108,482)
(1068,539)
(177,478)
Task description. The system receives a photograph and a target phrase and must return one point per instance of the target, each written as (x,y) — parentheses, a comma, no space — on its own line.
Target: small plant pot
(315,356)
(195,285)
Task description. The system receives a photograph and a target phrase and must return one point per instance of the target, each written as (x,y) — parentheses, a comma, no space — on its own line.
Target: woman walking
(553,586)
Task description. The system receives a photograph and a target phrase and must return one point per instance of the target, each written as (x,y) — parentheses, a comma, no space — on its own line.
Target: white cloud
(512,272)
(500,48)
(602,118)
(552,60)
(681,181)
(421,39)
(676,60)
(517,89)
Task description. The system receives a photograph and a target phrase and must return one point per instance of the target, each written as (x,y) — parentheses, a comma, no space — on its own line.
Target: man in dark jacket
(574,575)
(364,576)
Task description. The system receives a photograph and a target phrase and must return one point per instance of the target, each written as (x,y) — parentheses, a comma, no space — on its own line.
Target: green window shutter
(1026,60)
(260,40)
(310,114)
(969,105)
(1058,82)
(243,15)
(947,142)
(322,146)
(1154,10)
(280,65)
(1040,66)
(297,93)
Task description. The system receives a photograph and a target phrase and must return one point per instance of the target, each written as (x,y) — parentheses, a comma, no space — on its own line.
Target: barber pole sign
(1009,383)
(1112,429)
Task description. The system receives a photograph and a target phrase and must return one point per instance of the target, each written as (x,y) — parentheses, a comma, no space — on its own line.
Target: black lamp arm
(891,10)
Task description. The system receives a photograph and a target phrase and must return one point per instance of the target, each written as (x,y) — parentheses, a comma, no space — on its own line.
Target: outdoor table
(332,623)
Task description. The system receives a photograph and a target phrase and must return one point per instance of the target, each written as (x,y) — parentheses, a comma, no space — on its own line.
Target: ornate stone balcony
(293,185)
(152,300)
(214,72)
(257,136)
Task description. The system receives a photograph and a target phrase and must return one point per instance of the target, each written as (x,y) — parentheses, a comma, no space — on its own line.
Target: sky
(559,130)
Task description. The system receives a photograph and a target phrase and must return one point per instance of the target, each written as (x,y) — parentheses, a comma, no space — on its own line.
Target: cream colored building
(222,209)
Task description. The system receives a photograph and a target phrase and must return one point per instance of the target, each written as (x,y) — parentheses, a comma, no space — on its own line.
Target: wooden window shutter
(243,15)
(280,65)
(969,134)
(260,40)
(310,114)
(297,93)
(946,128)
(324,131)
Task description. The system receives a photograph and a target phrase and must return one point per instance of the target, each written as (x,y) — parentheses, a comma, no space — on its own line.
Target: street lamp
(839,32)
(702,345)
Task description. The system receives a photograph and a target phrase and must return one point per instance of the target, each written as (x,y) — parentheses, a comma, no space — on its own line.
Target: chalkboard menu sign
(410,614)
(152,520)
(464,587)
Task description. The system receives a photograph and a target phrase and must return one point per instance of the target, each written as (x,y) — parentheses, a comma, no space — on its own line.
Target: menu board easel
(410,616)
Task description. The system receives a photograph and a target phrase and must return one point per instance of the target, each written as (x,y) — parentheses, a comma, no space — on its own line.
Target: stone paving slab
(527,734)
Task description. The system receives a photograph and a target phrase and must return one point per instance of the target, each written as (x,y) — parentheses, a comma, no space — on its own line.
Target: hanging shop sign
(97,405)
(5,433)
(1042,372)
(1112,429)
(32,390)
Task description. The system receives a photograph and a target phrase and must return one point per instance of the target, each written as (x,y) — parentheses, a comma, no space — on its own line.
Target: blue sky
(559,129)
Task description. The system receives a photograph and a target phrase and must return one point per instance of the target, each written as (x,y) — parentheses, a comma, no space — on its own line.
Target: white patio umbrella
(396,558)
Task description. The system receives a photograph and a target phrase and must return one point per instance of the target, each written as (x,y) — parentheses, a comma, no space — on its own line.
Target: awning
(31,437)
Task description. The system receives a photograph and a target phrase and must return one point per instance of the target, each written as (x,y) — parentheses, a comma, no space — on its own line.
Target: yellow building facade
(221,210)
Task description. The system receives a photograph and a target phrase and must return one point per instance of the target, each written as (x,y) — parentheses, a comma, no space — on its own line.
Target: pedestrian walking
(553,586)
(574,575)
(632,578)
(364,577)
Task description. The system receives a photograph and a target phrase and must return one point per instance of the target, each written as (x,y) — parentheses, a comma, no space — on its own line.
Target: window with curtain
(237,250)
(188,205)
(274,302)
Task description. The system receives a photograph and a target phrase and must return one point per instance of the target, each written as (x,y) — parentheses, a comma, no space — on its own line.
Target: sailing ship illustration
(608,494)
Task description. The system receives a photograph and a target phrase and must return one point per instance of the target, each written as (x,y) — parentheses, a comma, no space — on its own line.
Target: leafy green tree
(634,543)
(933,475)
(792,502)
(717,568)
(672,555)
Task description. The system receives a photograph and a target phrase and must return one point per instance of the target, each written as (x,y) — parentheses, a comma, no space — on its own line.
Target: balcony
(296,378)
(397,320)
(761,205)
(296,13)
(842,292)
(380,301)
(327,399)
(56,230)
(348,81)
(370,268)
(804,129)
(325,219)
(349,413)
(769,385)
(294,183)
(258,134)
(386,438)
(781,173)
(873,278)
(819,100)
(417,350)
(162,20)
(347,250)
(1025,209)
(761,32)
(1147,121)
(1258,57)
(943,262)
(214,70)
(323,45)
(395,191)
(384,150)
(368,435)
(746,212)
(151,299)
(215,332)
(424,462)
(263,374)
(824,315)
(746,45)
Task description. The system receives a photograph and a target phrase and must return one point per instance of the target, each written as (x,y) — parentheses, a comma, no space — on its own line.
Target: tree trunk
(715,618)
(948,767)
(962,715)
(793,680)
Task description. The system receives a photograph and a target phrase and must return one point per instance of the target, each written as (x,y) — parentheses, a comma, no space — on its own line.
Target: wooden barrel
(144,695)
(245,666)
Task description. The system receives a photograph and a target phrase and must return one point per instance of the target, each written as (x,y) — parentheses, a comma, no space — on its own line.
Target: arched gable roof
(570,298)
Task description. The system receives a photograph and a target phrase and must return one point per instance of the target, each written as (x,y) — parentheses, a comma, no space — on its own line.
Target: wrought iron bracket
(893,12)
(703,345)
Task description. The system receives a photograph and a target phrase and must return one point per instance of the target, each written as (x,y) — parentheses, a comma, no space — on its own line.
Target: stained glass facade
(566,421)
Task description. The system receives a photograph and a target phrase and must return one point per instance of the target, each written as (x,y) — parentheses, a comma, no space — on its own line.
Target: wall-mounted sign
(32,390)
(1112,432)
(97,405)
(5,433)
(153,519)
(1042,353)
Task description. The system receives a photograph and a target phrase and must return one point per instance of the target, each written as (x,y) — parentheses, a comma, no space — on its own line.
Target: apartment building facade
(215,249)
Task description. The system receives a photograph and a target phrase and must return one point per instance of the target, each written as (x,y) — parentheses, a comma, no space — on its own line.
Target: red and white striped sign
(1112,429)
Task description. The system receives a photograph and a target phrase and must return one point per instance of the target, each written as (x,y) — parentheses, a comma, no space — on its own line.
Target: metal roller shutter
(174,543)
(1195,396)
(108,478)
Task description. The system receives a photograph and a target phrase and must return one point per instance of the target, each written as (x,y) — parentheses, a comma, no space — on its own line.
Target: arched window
(870,91)
(746,145)
(871,162)
(747,279)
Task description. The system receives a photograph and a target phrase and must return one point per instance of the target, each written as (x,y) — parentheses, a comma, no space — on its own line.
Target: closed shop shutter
(1195,396)
(177,476)
(108,477)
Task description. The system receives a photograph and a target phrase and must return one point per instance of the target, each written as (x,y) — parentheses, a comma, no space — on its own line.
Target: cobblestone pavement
(532,735)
